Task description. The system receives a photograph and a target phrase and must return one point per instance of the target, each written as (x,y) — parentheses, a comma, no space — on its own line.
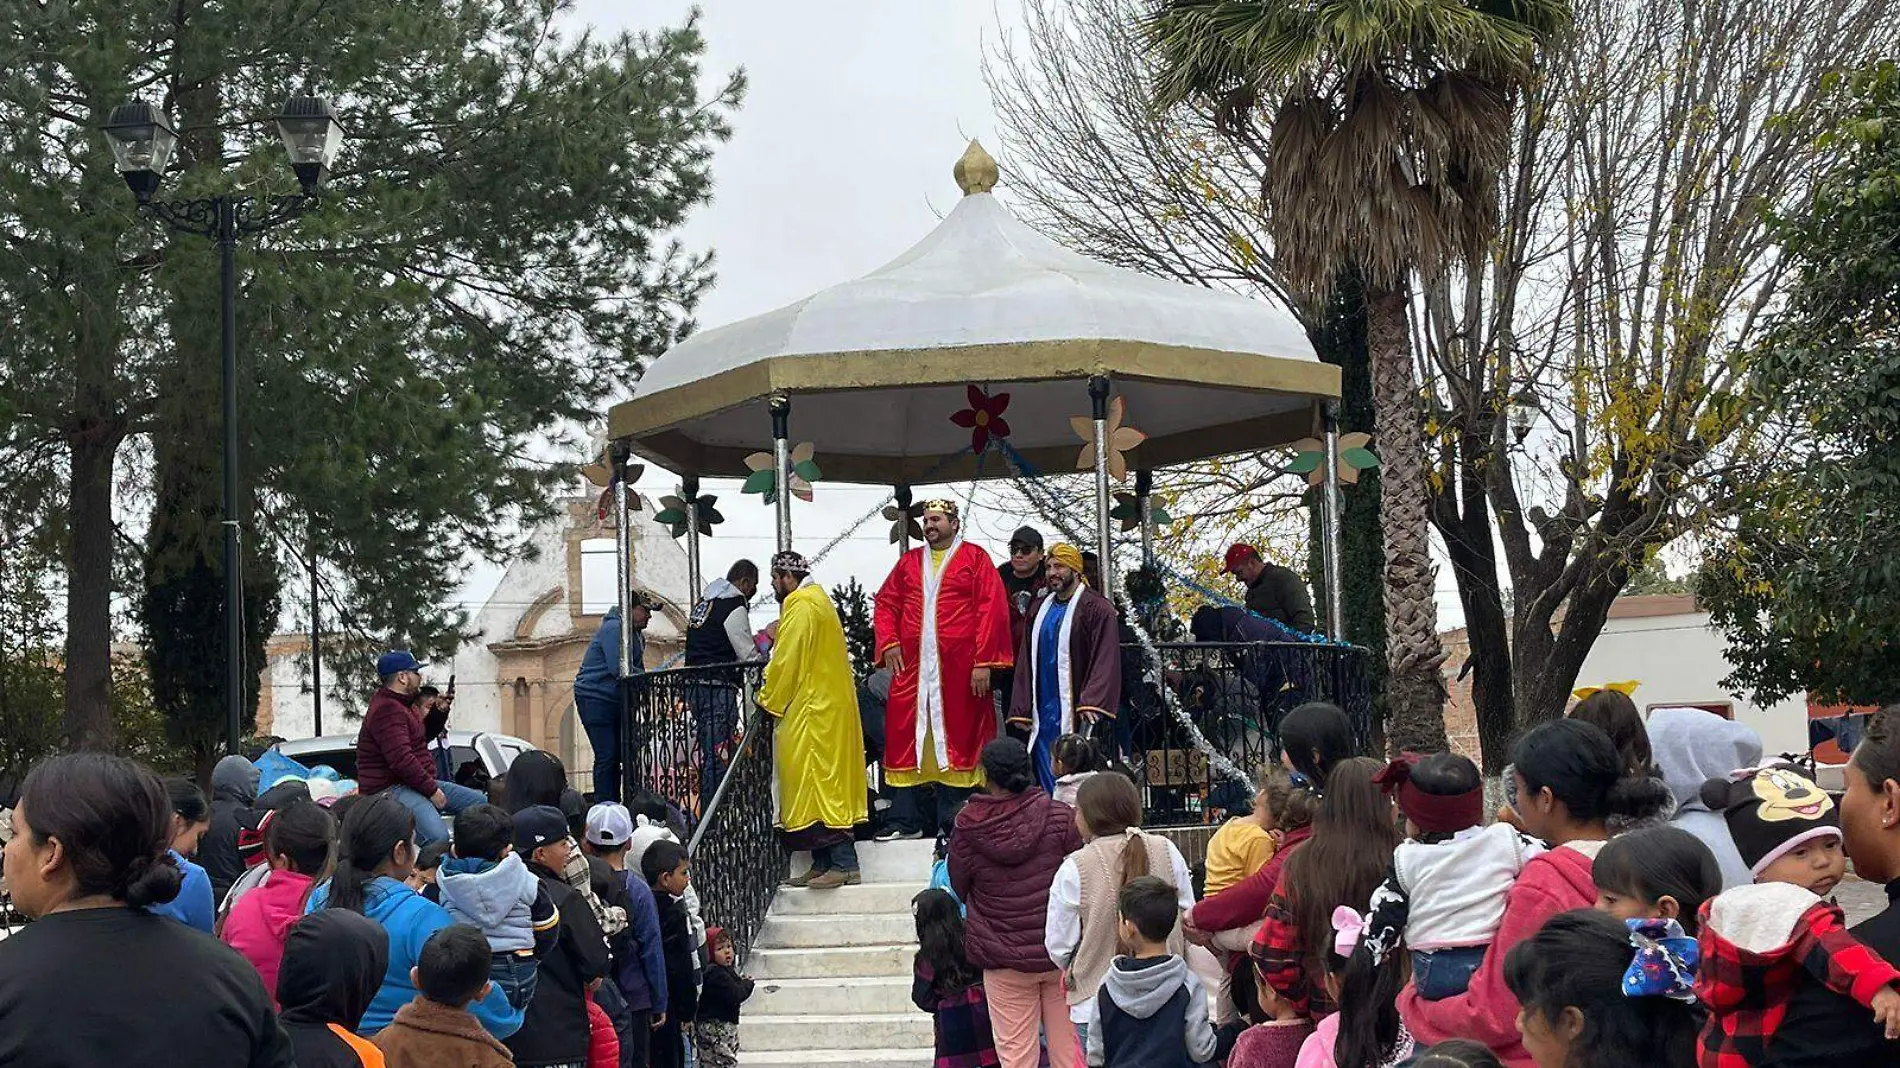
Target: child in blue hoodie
(485,884)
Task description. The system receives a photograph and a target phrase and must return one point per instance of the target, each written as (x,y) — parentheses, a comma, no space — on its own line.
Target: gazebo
(888,375)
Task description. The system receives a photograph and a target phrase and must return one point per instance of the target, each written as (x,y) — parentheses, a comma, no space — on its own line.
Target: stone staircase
(834,970)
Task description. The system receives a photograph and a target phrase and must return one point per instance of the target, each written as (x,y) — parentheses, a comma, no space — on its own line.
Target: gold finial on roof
(976,171)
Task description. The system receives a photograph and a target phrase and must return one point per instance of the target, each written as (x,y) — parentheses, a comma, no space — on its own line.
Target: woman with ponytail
(1569,781)
(376,851)
(97,981)
(1083,917)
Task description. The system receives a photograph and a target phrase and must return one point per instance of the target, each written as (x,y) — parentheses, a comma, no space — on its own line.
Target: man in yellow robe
(820,743)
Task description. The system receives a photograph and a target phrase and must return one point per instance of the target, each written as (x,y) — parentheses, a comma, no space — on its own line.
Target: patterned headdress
(791,563)
(942,506)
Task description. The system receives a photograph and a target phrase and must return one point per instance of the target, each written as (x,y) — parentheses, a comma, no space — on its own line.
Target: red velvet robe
(972,625)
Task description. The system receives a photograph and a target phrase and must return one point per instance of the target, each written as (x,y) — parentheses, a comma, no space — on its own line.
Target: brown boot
(831,880)
(802,879)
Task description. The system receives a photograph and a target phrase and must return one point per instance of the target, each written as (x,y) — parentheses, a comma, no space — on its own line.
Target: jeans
(841,857)
(907,809)
(514,974)
(715,717)
(1445,973)
(601,721)
(430,826)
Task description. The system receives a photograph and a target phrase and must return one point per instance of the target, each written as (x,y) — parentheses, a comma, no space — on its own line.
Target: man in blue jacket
(597,689)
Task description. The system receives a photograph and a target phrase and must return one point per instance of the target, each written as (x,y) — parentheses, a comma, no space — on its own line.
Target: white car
(491,752)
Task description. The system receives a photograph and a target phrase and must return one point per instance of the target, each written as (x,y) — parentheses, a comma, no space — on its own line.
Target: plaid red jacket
(1284,961)
(1758,944)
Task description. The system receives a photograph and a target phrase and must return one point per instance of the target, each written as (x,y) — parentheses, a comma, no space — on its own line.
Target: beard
(1064,586)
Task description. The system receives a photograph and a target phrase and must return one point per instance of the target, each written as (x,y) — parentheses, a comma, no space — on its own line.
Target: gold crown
(947,507)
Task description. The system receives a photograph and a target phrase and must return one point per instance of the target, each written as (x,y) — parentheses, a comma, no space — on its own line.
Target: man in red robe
(942,624)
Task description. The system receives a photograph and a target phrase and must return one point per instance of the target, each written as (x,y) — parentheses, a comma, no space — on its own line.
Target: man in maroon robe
(1069,668)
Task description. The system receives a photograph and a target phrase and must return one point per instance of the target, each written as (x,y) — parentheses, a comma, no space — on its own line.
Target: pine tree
(860,632)
(490,264)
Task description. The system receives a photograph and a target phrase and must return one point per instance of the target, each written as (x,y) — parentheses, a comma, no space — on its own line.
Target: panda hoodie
(1556,881)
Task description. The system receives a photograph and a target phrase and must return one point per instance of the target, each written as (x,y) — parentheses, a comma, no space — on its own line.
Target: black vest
(706,641)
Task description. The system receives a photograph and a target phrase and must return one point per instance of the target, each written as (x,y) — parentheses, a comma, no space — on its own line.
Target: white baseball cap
(609,824)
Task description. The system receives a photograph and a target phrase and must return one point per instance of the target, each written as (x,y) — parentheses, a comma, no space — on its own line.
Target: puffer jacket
(1003,857)
(497,899)
(260,922)
(233,791)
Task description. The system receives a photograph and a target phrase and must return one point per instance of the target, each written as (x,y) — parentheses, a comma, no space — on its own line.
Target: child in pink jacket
(298,845)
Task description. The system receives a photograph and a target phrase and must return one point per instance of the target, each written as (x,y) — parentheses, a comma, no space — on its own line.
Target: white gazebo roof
(875,367)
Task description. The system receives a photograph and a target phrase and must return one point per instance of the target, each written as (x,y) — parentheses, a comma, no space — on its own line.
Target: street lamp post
(142,140)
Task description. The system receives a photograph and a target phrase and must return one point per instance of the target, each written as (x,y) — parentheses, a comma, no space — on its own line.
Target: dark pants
(601,721)
(908,813)
(515,974)
(715,718)
(668,1048)
(635,1039)
(839,856)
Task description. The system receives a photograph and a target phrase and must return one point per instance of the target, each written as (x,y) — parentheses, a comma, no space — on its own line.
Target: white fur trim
(1760,918)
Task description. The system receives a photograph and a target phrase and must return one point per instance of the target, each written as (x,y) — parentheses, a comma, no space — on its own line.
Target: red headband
(1432,813)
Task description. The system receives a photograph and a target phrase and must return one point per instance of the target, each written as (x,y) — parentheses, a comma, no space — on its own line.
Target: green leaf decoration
(1304,463)
(761,482)
(1123,510)
(668,517)
(807,470)
(1359,458)
(1160,516)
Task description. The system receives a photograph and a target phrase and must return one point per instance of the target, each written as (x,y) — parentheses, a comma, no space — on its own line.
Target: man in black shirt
(1022,577)
(1823,1029)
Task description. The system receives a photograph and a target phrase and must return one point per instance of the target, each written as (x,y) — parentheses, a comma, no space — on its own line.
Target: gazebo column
(623,547)
(1104,547)
(689,492)
(1330,509)
(782,458)
(900,495)
(1144,492)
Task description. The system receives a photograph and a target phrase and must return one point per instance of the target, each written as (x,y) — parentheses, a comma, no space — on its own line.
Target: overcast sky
(840,159)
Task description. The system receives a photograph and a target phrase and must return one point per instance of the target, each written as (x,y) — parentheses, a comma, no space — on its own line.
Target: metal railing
(1236,695)
(695,738)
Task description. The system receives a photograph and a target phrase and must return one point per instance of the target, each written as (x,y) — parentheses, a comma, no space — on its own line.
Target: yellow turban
(1067,555)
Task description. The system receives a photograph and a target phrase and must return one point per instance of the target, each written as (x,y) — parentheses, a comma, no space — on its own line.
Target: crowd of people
(1653,893)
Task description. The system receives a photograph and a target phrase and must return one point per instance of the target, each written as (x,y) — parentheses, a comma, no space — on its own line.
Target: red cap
(1240,551)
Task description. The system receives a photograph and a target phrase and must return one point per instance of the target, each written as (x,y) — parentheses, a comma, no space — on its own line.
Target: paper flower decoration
(1128,510)
(601,473)
(672,514)
(1354,457)
(764,479)
(905,520)
(984,418)
(1120,440)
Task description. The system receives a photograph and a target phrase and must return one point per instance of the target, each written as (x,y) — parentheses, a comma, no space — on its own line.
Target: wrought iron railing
(695,738)
(1236,695)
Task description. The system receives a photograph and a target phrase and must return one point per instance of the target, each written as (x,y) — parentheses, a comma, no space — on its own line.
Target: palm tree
(1387,125)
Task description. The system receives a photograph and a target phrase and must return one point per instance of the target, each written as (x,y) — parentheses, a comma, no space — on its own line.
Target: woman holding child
(1569,779)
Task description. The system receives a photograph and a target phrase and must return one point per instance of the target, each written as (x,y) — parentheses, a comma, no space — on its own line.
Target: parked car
(470,752)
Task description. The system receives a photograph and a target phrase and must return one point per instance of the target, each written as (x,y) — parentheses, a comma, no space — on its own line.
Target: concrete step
(824,932)
(887,862)
(857,1058)
(846,963)
(842,1031)
(867,994)
(869,898)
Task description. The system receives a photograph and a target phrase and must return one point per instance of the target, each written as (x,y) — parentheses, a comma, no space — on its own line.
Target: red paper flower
(984,417)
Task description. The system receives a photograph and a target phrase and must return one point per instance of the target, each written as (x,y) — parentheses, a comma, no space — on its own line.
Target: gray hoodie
(1692,746)
(1142,988)
(498,898)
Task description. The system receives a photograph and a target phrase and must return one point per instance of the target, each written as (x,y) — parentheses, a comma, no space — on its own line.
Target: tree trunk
(1415,685)
(1463,515)
(94,444)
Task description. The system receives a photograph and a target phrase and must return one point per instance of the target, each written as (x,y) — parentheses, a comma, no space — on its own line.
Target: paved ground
(1860,899)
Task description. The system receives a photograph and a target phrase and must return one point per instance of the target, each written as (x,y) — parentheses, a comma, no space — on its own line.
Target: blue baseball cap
(397,660)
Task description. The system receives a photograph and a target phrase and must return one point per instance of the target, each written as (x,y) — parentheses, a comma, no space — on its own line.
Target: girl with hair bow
(1364,972)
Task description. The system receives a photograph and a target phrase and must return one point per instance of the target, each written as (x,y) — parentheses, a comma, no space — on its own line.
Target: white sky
(840,159)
